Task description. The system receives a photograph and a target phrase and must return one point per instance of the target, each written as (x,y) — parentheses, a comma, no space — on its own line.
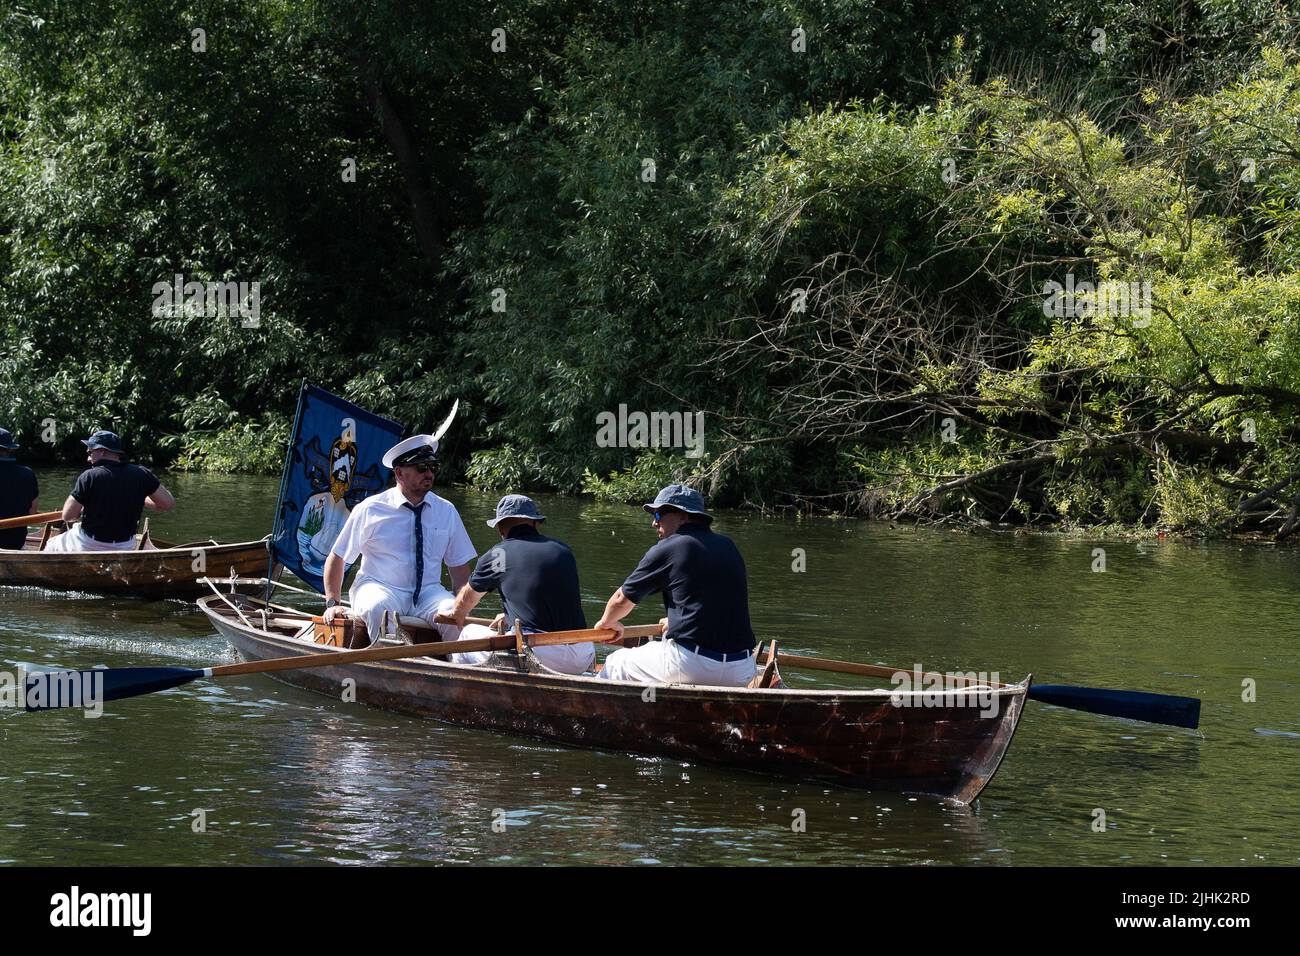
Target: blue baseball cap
(7,440)
(103,439)
(681,497)
(515,506)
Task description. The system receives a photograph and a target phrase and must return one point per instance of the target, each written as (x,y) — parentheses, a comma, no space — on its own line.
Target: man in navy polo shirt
(538,580)
(702,577)
(18,492)
(109,498)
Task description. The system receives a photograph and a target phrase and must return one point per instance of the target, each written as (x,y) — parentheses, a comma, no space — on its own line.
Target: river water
(279,774)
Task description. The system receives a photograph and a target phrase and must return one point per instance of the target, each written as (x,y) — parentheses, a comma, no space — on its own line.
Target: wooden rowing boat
(858,738)
(164,571)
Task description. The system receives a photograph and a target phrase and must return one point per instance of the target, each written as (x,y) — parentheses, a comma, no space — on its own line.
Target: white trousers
(666,662)
(77,540)
(565,658)
(370,599)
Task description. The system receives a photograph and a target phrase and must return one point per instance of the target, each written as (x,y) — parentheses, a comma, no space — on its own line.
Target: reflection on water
(284,775)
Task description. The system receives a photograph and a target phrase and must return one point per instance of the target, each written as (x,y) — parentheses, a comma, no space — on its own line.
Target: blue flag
(334,461)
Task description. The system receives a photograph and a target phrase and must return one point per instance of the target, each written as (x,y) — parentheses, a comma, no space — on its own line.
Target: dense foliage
(829,225)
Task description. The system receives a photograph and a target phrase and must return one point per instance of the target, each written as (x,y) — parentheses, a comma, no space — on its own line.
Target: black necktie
(419,548)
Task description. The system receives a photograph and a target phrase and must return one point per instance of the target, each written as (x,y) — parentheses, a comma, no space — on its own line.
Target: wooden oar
(120,683)
(630,631)
(43,518)
(1133,704)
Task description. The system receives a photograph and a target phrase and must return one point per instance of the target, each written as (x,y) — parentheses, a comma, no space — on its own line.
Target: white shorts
(370,599)
(565,658)
(667,662)
(77,540)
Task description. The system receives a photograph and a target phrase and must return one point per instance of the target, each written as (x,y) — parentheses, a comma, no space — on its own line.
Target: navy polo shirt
(18,489)
(113,494)
(538,580)
(702,577)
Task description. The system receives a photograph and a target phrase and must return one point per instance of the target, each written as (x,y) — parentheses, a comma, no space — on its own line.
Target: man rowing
(404,536)
(18,492)
(538,580)
(705,591)
(109,498)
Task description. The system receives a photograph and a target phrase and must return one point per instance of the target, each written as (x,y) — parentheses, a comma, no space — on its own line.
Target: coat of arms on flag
(334,461)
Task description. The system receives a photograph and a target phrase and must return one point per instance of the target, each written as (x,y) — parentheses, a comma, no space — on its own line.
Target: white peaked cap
(419,441)
(409,444)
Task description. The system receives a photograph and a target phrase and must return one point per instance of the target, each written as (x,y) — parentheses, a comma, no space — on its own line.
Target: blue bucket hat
(515,506)
(7,440)
(103,439)
(681,497)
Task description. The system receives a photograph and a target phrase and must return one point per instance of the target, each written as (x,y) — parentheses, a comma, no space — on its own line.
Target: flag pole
(279,503)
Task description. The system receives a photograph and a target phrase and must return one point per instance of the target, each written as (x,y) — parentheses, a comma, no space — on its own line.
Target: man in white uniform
(404,536)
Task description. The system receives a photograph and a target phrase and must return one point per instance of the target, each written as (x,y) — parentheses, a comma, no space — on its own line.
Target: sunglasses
(423,469)
(659,515)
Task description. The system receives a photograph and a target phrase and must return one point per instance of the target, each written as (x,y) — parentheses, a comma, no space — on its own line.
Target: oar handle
(635,632)
(45,517)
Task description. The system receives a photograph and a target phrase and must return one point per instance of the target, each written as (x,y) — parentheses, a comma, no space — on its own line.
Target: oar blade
(1133,704)
(52,690)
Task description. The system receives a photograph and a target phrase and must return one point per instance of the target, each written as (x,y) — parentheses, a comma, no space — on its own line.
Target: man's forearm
(618,607)
(466,600)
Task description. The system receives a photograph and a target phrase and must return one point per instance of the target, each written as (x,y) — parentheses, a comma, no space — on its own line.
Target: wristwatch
(332,602)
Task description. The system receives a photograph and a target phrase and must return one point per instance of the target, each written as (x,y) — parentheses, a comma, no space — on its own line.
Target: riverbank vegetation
(1032,264)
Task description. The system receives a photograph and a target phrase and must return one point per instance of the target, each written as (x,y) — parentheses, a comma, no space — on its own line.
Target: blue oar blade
(51,690)
(1133,704)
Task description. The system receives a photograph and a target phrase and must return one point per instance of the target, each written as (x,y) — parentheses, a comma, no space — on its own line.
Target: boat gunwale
(170,551)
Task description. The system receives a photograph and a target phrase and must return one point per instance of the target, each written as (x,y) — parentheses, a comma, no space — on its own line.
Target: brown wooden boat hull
(162,573)
(856,738)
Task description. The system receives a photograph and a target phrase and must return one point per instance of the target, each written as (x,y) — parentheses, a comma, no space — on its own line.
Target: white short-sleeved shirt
(382,531)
